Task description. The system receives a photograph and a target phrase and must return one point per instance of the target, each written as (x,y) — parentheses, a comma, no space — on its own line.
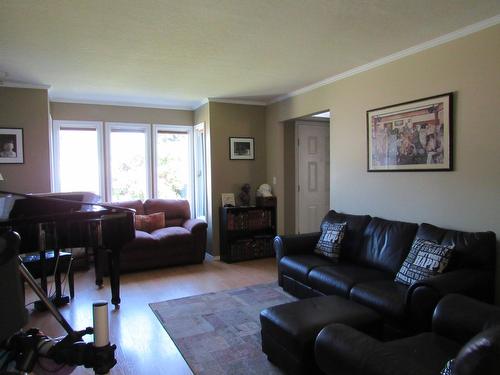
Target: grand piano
(63,221)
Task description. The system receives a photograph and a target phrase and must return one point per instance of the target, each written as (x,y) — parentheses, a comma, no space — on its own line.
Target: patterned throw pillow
(448,369)
(151,222)
(331,237)
(425,259)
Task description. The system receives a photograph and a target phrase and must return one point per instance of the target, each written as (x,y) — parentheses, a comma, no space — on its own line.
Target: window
(77,157)
(124,161)
(129,171)
(173,161)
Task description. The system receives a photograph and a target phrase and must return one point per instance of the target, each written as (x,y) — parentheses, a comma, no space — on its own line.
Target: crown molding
(200,104)
(471,29)
(236,101)
(123,104)
(22,85)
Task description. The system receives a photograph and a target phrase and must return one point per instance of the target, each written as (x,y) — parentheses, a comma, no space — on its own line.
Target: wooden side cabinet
(246,233)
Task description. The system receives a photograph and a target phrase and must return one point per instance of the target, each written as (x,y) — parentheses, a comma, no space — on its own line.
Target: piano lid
(21,206)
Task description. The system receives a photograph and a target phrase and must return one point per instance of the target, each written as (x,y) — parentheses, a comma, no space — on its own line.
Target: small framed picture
(241,148)
(411,136)
(228,200)
(11,146)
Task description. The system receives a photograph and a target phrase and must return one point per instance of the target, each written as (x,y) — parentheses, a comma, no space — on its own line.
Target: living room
(458,54)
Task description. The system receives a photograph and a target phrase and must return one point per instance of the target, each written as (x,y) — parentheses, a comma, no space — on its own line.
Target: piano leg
(59,298)
(43,271)
(98,253)
(114,276)
(57,275)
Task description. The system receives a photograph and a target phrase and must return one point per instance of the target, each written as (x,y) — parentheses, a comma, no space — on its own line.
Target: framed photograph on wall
(11,146)
(411,136)
(241,148)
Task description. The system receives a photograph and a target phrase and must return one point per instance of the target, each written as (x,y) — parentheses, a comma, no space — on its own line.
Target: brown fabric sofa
(182,240)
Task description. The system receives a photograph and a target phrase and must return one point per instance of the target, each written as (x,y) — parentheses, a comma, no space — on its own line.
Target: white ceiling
(175,53)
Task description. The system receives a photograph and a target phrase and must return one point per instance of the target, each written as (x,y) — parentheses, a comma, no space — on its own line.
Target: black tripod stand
(26,347)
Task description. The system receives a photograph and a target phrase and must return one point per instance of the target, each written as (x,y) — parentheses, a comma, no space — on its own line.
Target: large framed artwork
(411,136)
(11,146)
(241,148)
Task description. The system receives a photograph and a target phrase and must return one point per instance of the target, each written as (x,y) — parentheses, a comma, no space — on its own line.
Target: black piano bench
(34,265)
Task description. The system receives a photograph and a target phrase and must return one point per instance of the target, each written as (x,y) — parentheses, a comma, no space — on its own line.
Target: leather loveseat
(372,252)
(181,241)
(463,330)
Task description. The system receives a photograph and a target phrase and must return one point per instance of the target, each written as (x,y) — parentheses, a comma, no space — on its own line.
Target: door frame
(296,147)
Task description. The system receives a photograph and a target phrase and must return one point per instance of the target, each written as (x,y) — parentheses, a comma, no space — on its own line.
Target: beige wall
(27,109)
(234,120)
(467,198)
(112,113)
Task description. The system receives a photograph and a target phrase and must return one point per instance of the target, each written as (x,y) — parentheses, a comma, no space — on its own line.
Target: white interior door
(312,174)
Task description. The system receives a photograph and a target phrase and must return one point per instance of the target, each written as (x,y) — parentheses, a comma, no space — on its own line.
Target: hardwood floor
(144,347)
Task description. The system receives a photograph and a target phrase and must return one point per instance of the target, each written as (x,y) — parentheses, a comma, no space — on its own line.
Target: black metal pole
(43,297)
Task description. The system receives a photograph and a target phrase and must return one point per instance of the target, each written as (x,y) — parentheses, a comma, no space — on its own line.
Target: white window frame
(131,127)
(104,130)
(200,128)
(56,150)
(178,129)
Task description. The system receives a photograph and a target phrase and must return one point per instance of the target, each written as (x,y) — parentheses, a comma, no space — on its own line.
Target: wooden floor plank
(143,345)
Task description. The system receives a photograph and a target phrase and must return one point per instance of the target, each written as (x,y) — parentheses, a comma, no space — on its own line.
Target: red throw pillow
(151,222)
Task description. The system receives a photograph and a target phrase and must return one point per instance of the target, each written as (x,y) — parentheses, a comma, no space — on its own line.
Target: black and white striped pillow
(330,241)
(448,368)
(425,259)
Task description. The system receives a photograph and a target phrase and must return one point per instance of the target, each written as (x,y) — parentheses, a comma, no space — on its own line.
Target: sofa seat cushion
(171,234)
(340,278)
(299,266)
(386,297)
(142,240)
(430,350)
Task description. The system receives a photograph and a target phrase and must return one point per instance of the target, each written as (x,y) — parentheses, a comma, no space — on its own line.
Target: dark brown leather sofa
(182,240)
(463,329)
(373,250)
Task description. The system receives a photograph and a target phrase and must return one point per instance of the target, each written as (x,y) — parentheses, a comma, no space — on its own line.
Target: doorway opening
(307,172)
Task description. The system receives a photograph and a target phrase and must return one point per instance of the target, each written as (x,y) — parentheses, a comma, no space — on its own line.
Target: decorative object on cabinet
(228,200)
(244,195)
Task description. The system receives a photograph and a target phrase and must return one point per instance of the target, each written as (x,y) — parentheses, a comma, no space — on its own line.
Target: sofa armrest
(423,296)
(295,244)
(343,350)
(460,318)
(193,225)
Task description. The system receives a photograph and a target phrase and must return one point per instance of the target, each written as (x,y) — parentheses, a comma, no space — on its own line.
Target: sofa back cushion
(471,249)
(176,210)
(353,238)
(136,205)
(387,243)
